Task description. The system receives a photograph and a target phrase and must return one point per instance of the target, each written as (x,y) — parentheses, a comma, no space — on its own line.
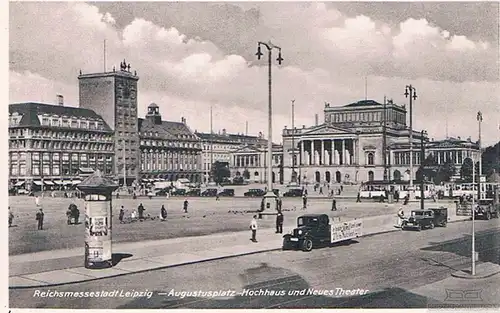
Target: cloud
(199,61)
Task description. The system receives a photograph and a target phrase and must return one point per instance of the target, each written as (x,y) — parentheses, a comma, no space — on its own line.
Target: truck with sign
(318,229)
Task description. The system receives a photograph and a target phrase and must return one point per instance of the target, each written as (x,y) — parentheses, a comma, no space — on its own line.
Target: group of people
(254,225)
(73,214)
(139,213)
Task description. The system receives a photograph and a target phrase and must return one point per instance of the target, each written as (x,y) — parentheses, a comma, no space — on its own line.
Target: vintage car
(486,209)
(317,229)
(226,193)
(254,193)
(428,218)
(210,192)
(179,192)
(296,192)
(195,192)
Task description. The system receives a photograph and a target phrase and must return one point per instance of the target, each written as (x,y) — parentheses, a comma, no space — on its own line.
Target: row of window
(48,156)
(51,134)
(58,145)
(392,115)
(163,143)
(156,134)
(56,169)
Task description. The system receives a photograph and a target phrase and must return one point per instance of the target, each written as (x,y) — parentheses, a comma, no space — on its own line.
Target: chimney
(316,119)
(60,100)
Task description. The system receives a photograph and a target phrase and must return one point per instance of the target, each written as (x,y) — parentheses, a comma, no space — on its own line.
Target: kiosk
(97,191)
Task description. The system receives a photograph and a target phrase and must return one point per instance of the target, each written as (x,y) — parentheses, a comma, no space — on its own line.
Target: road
(206,216)
(389,266)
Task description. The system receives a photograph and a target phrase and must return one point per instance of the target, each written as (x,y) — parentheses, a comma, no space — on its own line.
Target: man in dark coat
(121,215)
(75,213)
(69,215)
(39,218)
(11,217)
(334,205)
(163,213)
(279,222)
(140,210)
(186,204)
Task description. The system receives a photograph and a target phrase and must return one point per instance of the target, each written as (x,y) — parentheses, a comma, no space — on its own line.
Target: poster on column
(98,231)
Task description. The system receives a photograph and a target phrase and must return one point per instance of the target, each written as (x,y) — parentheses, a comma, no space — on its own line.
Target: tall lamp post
(422,158)
(479,121)
(473,213)
(294,175)
(270,196)
(411,93)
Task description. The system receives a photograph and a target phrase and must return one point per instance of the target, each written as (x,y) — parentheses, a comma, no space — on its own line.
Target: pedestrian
(163,213)
(280,204)
(11,217)
(358,197)
(253,228)
(304,202)
(217,197)
(37,201)
(76,214)
(401,216)
(186,204)
(121,214)
(396,196)
(141,210)
(407,198)
(334,205)
(39,218)
(320,190)
(133,216)
(341,188)
(279,222)
(69,215)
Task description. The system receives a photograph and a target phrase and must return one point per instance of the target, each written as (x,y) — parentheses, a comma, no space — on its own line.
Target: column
(301,161)
(355,151)
(333,152)
(322,153)
(343,153)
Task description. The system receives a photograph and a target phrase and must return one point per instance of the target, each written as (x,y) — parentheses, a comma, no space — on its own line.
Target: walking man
(401,216)
(39,218)
(279,222)
(140,210)
(163,213)
(358,197)
(186,204)
(69,215)
(334,205)
(11,217)
(253,228)
(304,201)
(121,215)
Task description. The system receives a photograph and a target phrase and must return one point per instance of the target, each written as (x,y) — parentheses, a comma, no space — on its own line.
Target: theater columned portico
(327,152)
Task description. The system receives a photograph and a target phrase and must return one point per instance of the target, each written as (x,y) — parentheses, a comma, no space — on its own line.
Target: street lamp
(294,175)
(423,133)
(411,93)
(473,213)
(479,121)
(270,46)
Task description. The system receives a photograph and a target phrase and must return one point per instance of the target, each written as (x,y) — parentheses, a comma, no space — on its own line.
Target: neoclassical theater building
(359,142)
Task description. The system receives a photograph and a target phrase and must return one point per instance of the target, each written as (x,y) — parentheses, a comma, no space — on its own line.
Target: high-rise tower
(113,95)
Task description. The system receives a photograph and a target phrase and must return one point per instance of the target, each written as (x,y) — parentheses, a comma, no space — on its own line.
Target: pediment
(246,149)
(327,130)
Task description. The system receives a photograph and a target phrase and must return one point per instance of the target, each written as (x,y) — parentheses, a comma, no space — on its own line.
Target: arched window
(371,158)
(256,173)
(370,176)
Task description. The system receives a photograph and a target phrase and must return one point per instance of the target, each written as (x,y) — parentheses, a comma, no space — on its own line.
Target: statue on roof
(327,105)
(123,65)
(128,67)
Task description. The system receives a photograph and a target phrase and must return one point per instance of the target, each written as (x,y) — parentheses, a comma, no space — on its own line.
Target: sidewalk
(58,267)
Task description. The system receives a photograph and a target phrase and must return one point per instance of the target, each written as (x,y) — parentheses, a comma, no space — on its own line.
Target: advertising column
(98,250)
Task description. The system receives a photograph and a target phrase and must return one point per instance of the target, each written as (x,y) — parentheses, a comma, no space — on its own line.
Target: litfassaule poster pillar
(97,192)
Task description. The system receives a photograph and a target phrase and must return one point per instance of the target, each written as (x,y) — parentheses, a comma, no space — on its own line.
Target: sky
(192,56)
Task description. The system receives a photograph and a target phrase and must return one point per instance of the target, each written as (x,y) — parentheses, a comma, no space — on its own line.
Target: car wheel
(431,225)
(307,245)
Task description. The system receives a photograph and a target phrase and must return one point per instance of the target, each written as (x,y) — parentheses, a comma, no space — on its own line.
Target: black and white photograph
(253,155)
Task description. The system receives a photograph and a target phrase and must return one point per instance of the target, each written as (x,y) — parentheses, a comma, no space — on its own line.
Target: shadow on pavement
(117,257)
(290,291)
(487,245)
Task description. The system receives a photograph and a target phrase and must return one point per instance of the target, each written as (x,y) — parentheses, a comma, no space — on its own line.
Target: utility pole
(211,147)
(473,213)
(411,93)
(422,158)
(294,176)
(479,121)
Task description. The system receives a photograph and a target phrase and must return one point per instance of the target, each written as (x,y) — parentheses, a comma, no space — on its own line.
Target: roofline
(109,74)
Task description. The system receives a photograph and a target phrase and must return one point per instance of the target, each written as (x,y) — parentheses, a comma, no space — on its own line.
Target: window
(371,158)
(65,156)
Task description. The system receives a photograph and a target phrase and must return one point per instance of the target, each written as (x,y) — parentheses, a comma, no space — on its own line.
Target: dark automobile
(179,192)
(428,218)
(254,193)
(194,192)
(226,193)
(316,230)
(210,192)
(486,209)
(296,192)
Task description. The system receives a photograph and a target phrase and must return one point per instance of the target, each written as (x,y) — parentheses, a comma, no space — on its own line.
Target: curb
(195,262)
(143,271)
(463,275)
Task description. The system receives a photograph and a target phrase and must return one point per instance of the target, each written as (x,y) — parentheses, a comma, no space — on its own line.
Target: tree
(427,170)
(445,172)
(220,170)
(246,174)
(466,170)
(491,159)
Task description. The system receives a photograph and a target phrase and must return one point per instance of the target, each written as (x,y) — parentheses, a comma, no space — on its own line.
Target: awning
(37,182)
(19,183)
(66,182)
(48,182)
(58,182)
(86,170)
(76,182)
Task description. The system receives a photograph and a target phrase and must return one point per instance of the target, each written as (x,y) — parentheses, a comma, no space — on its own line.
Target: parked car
(254,193)
(428,218)
(210,192)
(317,229)
(486,209)
(179,192)
(226,193)
(296,192)
(195,192)
(162,191)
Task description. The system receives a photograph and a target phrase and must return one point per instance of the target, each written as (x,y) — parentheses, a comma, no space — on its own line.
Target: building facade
(168,150)
(250,161)
(220,146)
(361,141)
(113,95)
(49,145)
